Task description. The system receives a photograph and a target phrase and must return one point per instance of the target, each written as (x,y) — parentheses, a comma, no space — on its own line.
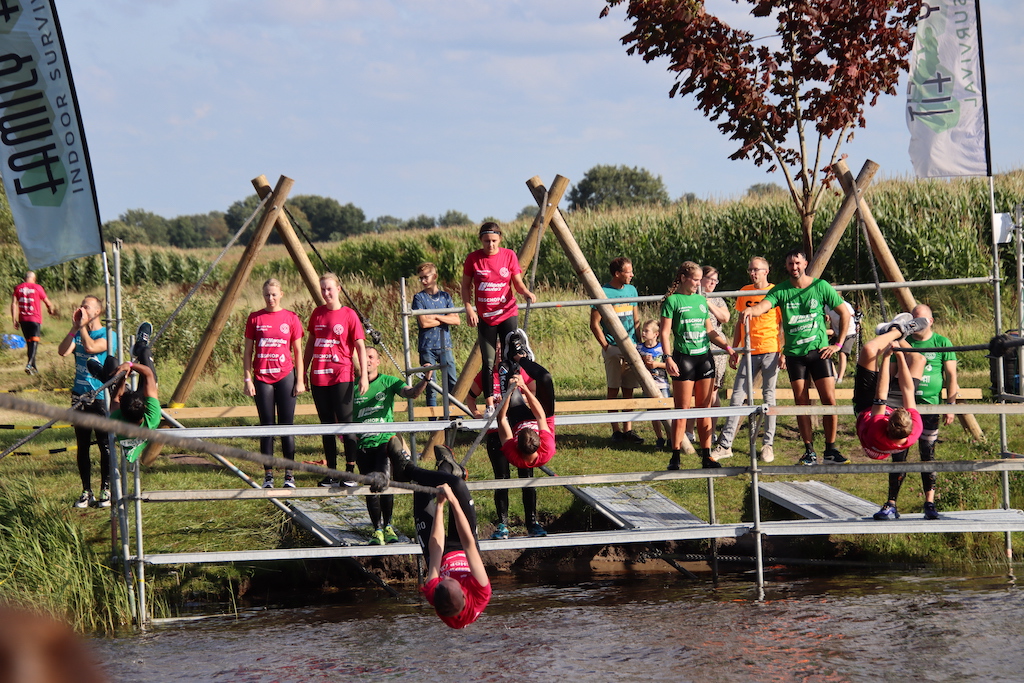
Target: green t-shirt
(930,389)
(688,313)
(803,314)
(377,405)
(132,448)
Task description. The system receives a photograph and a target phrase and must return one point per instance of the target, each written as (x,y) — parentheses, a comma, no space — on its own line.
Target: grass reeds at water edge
(46,563)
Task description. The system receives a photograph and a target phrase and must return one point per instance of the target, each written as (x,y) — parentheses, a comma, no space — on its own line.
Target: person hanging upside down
(886,423)
(527,430)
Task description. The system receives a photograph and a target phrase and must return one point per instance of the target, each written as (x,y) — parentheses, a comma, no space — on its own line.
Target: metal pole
(1000,378)
(407,353)
(755,492)
(140,557)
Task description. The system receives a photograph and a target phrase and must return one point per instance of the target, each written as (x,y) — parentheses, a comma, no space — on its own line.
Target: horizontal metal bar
(924,409)
(725,294)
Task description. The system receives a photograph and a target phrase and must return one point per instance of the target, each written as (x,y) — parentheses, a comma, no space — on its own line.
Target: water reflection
(881,627)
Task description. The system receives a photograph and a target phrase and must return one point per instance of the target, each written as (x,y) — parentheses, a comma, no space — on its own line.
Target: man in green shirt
(381,452)
(139,407)
(807,352)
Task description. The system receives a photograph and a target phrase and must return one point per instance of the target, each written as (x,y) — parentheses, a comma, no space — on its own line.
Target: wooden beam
(227,304)
(294,246)
(886,260)
(846,212)
(593,288)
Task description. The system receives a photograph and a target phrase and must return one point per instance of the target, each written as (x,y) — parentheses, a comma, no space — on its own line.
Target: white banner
(945,93)
(43,156)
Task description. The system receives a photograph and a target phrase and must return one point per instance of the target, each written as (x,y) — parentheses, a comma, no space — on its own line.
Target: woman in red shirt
(335,335)
(273,350)
(488,276)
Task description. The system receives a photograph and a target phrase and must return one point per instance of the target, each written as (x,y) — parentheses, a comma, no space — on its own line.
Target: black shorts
(30,330)
(813,365)
(693,368)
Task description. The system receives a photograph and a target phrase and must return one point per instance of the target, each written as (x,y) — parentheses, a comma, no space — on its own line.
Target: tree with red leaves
(827,59)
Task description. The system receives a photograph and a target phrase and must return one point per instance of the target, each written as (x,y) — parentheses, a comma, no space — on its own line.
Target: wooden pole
(592,286)
(890,268)
(227,304)
(291,242)
(846,212)
(530,245)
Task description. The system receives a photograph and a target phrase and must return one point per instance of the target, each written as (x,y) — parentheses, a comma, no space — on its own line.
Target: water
(882,627)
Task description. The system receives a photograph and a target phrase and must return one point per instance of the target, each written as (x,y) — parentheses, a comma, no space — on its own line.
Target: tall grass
(48,564)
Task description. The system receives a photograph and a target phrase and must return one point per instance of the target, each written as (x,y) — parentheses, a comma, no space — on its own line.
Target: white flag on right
(946,92)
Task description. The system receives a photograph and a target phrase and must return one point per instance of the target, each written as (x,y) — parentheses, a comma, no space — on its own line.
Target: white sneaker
(898,321)
(767,453)
(690,437)
(488,412)
(720,453)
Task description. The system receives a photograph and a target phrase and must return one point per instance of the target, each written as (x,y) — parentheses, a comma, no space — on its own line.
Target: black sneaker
(517,345)
(95,368)
(618,436)
(632,437)
(888,513)
(328,482)
(446,462)
(929,511)
(833,457)
(673,463)
(706,463)
(809,458)
(659,444)
(142,336)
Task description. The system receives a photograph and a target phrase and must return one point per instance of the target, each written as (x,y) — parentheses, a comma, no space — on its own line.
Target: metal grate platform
(637,507)
(815,500)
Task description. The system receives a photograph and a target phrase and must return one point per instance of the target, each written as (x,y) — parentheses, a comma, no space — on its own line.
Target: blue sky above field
(419,106)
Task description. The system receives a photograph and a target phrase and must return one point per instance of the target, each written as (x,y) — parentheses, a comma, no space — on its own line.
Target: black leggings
(334,406)
(31,330)
(83,438)
(423,508)
(545,392)
(489,336)
(502,471)
(279,395)
(927,455)
(390,458)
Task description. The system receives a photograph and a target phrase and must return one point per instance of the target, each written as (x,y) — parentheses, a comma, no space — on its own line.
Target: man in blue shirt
(435,340)
(618,373)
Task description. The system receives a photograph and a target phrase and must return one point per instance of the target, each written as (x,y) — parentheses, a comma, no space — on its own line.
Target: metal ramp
(341,519)
(816,500)
(637,507)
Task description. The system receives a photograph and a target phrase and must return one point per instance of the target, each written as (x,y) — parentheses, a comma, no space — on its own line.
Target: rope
(874,268)
(209,270)
(103,424)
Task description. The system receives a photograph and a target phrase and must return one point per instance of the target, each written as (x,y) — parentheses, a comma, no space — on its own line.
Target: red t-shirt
(873,439)
(272,335)
(544,453)
(334,340)
(492,284)
(478,384)
(29,296)
(456,566)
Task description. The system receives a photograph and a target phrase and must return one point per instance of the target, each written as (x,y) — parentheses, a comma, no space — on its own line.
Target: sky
(410,107)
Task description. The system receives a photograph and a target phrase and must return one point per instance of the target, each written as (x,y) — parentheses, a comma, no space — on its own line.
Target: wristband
(878,402)
(729,349)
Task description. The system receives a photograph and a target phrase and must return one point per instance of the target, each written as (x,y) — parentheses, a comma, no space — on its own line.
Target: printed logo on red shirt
(504,271)
(339,329)
(285,328)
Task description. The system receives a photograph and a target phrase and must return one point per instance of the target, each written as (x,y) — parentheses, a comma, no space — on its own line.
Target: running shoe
(690,437)
(446,461)
(707,463)
(95,368)
(104,498)
(632,437)
(142,336)
(720,453)
(929,511)
(85,500)
(268,480)
(535,530)
(887,514)
(833,457)
(329,482)
(897,321)
(31,369)
(809,458)
(289,481)
(500,532)
(659,443)
(517,345)
(767,453)
(350,468)
(377,537)
(617,436)
(673,463)
(389,534)
(488,412)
